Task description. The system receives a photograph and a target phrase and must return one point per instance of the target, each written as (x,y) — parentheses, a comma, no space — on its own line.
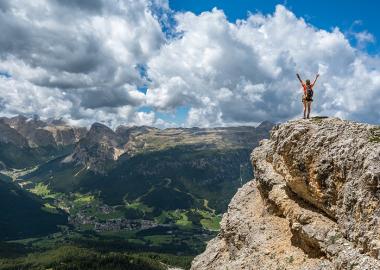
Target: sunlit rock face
(314,203)
(38,133)
(27,142)
(101,146)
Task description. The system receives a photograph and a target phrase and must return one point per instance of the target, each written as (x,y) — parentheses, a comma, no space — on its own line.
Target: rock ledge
(313,205)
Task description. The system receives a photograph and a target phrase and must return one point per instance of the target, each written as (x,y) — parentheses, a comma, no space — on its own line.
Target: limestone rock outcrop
(97,149)
(314,202)
(102,147)
(38,133)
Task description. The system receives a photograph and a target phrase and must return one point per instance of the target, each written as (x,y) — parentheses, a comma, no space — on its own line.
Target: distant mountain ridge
(27,142)
(44,133)
(174,176)
(101,145)
(112,163)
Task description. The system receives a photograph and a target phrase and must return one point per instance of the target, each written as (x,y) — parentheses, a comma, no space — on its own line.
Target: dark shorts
(306,99)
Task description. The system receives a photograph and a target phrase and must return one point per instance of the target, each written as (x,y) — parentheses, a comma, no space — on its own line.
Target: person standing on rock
(308,93)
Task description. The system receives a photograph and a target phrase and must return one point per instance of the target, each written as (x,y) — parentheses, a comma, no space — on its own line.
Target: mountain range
(26,142)
(165,176)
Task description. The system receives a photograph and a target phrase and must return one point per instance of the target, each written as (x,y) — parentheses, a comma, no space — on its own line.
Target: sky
(188,63)
(350,16)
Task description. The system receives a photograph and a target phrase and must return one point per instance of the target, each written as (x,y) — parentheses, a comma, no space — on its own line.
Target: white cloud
(78,59)
(85,61)
(24,96)
(363,38)
(244,72)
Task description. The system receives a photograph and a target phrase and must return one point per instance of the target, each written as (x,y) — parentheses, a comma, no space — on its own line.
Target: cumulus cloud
(244,72)
(79,59)
(88,61)
(363,38)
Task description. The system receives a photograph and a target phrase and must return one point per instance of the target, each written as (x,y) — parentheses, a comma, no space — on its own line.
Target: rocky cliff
(314,203)
(26,142)
(38,133)
(101,147)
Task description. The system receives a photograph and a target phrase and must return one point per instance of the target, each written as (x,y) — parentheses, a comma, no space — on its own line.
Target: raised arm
(299,78)
(316,78)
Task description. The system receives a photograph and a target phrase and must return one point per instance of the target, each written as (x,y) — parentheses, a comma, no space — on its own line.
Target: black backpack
(309,91)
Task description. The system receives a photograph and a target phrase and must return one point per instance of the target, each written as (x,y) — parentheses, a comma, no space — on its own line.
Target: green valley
(136,194)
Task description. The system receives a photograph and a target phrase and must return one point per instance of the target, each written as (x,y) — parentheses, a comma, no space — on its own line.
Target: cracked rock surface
(314,203)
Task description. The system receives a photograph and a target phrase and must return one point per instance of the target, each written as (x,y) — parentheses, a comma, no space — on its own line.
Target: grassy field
(182,234)
(170,245)
(72,257)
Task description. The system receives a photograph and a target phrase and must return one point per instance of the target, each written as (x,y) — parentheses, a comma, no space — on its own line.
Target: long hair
(308,82)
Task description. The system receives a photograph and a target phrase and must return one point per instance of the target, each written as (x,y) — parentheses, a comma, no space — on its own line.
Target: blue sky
(347,15)
(182,63)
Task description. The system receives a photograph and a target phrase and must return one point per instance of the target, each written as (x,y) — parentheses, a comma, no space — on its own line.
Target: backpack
(309,91)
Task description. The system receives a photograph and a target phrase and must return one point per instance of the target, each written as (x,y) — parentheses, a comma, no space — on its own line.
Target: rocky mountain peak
(39,133)
(10,135)
(97,149)
(15,121)
(314,203)
(99,132)
(99,127)
(265,125)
